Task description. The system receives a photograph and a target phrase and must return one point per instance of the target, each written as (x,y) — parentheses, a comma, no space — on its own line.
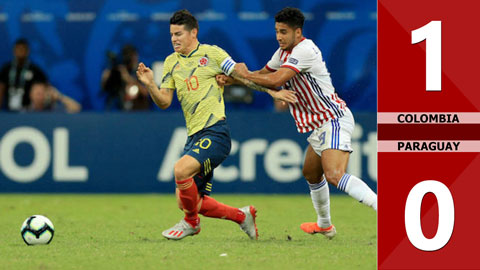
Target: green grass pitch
(124,232)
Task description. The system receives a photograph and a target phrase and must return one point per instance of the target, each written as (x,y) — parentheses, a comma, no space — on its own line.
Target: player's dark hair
(184,17)
(21,41)
(292,17)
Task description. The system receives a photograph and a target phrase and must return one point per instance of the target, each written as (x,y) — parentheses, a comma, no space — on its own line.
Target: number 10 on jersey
(192,83)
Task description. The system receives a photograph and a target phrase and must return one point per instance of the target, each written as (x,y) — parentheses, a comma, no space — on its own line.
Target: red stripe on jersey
(306,115)
(308,86)
(269,68)
(305,88)
(301,113)
(281,55)
(290,67)
(310,89)
(293,110)
(291,106)
(319,121)
(286,56)
(339,100)
(312,99)
(309,119)
(316,100)
(303,105)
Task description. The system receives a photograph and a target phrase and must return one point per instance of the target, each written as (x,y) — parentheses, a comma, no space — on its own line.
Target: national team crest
(203,61)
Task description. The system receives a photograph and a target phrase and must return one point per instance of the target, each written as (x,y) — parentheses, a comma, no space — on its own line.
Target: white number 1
(432,32)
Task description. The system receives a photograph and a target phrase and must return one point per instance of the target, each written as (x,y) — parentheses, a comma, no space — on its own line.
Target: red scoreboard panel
(428,134)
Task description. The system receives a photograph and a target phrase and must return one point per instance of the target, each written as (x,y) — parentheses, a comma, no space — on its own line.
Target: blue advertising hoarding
(118,152)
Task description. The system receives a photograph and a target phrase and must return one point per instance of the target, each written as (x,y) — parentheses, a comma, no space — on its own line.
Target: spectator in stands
(16,78)
(45,97)
(120,84)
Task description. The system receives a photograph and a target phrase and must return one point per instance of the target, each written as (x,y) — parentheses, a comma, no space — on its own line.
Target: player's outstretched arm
(283,95)
(264,70)
(162,97)
(223,79)
(270,79)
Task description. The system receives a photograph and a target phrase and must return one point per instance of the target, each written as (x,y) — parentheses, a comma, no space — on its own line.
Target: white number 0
(446,215)
(432,32)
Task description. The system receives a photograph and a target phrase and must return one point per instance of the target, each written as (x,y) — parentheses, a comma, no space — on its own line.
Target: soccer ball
(37,230)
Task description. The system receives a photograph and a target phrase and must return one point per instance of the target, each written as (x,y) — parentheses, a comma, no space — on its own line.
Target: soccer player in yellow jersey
(191,71)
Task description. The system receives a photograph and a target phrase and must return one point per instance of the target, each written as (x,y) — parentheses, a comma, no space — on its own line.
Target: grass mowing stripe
(124,232)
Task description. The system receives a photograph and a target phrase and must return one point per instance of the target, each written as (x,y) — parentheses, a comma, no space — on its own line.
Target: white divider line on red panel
(428,146)
(428,118)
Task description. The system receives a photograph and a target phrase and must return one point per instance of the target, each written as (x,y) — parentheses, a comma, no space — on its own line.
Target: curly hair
(184,17)
(292,17)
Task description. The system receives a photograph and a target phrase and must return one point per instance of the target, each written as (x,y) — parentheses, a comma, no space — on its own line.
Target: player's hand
(221,79)
(285,95)
(144,74)
(241,69)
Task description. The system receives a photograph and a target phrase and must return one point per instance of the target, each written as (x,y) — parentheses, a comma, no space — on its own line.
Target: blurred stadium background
(99,151)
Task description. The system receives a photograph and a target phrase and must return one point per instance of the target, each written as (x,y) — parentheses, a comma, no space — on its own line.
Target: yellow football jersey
(193,76)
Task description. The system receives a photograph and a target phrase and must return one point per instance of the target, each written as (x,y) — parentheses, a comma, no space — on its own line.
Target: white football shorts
(335,134)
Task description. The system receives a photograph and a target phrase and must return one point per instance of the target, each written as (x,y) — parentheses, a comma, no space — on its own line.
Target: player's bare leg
(334,164)
(184,171)
(319,192)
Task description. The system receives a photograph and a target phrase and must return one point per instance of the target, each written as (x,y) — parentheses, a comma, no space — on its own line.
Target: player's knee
(180,172)
(334,176)
(311,176)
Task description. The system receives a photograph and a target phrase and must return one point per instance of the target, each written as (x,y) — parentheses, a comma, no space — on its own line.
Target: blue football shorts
(210,147)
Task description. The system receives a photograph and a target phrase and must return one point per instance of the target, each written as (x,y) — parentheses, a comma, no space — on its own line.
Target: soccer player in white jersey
(298,65)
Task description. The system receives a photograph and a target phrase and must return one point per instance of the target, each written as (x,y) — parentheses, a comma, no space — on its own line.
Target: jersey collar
(297,44)
(190,54)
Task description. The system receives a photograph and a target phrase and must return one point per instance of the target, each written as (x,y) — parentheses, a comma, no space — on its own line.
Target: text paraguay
(428,146)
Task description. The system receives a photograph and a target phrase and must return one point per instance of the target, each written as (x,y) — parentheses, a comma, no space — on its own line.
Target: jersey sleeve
(274,62)
(302,58)
(167,78)
(223,60)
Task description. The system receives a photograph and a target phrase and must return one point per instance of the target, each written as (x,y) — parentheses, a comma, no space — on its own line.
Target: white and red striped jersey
(317,101)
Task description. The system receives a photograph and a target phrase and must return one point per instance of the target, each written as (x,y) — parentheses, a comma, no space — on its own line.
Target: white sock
(356,188)
(321,202)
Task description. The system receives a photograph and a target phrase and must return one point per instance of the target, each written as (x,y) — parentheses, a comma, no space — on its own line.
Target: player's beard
(288,45)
